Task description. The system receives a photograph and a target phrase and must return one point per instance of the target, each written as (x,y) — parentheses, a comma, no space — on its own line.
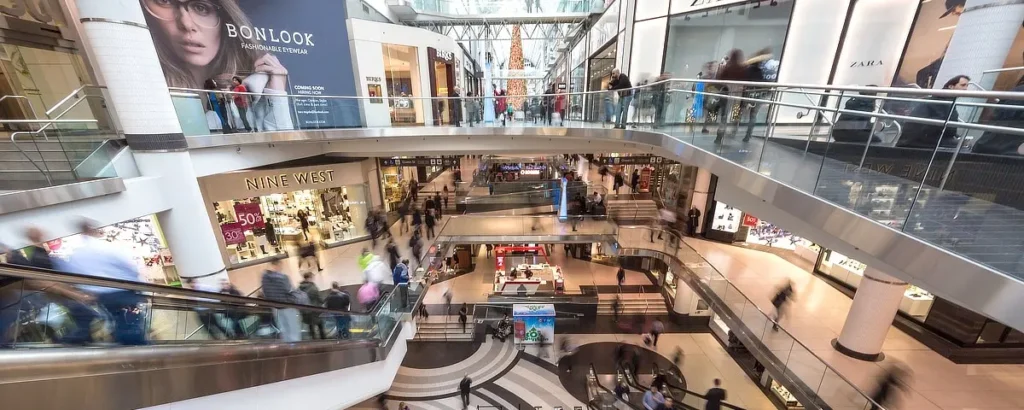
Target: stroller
(502,330)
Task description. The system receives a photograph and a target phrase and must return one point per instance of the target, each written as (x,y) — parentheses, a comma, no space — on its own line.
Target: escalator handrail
(612,392)
(690,392)
(25,272)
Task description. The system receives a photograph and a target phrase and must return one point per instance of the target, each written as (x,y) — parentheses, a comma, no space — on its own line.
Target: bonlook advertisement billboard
(296,47)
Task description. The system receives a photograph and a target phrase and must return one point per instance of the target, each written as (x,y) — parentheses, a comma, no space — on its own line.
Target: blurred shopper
(657,328)
(392,250)
(278,288)
(677,359)
(457,106)
(417,219)
(568,352)
(616,307)
(661,98)
(416,246)
(400,276)
(622,391)
(369,294)
(781,299)
(209,318)
(465,386)
(97,257)
(312,319)
(620,82)
(378,272)
(371,228)
(666,405)
(1003,143)
(403,216)
(437,204)
(33,255)
(473,109)
(732,70)
(307,252)
(895,379)
(430,223)
(364,259)
(932,136)
(216,104)
(653,398)
(634,182)
(619,181)
(620,277)
(339,300)
(234,316)
(762,67)
(714,396)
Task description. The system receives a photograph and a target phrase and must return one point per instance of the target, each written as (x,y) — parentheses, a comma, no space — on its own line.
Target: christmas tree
(516,86)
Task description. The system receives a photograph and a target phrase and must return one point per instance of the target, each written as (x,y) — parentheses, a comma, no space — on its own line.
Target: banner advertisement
(233,233)
(297,47)
(249,216)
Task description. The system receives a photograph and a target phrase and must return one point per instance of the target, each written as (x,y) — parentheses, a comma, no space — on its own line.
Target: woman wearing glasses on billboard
(193,45)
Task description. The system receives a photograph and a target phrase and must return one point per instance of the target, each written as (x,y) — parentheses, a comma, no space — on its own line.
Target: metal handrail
(65,99)
(766,315)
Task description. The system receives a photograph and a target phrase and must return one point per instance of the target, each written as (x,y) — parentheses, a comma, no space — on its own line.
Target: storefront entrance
(442,83)
(601,66)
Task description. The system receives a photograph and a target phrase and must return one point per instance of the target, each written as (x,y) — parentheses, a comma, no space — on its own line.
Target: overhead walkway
(481,12)
(185,345)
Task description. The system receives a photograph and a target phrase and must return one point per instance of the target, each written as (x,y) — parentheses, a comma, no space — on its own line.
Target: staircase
(633,304)
(629,211)
(441,328)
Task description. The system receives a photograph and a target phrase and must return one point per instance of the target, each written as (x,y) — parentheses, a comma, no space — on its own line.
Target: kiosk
(533,323)
(523,279)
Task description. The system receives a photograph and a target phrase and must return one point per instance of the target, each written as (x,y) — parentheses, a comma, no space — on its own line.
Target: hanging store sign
(249,216)
(750,220)
(632,160)
(288,180)
(417,162)
(233,233)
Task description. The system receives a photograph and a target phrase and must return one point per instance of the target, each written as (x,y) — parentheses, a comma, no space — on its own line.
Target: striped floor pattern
(488,363)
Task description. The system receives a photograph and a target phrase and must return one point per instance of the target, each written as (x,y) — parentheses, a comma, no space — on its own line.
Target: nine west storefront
(265,214)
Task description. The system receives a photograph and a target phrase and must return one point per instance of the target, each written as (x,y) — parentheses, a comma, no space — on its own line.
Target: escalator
(114,344)
(599,396)
(682,399)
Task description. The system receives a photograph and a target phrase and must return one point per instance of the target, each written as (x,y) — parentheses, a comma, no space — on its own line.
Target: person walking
(364,259)
(208,318)
(416,246)
(430,224)
(657,328)
(779,301)
(217,104)
(620,277)
(99,258)
(472,109)
(620,83)
(634,182)
(463,317)
(732,70)
(307,251)
(393,256)
(457,106)
(339,300)
(403,217)
(234,316)
(278,288)
(312,319)
(619,181)
(437,204)
(417,219)
(241,101)
(465,387)
(401,278)
(714,396)
(33,255)
(894,378)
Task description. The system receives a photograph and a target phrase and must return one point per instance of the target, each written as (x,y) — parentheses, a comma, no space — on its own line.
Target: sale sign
(749,220)
(249,216)
(233,233)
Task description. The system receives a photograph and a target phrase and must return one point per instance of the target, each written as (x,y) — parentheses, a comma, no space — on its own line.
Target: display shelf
(916,302)
(726,218)
(807,250)
(783,394)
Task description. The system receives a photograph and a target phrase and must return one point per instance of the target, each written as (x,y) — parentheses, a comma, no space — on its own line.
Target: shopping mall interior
(497,204)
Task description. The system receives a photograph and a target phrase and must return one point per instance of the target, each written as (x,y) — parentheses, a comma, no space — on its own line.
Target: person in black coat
(465,386)
(994,142)
(430,224)
(635,181)
(620,82)
(853,127)
(33,255)
(919,135)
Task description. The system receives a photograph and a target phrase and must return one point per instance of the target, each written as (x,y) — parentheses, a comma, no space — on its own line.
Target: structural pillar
(122,51)
(874,307)
(701,191)
(982,40)
(683,303)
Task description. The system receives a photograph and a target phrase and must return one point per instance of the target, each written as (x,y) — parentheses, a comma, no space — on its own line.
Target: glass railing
(478,7)
(496,226)
(796,360)
(74,141)
(934,164)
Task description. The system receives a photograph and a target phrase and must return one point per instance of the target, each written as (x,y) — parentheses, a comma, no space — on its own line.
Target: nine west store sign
(247,184)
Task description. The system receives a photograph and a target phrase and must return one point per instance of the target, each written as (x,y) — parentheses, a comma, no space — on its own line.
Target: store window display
(916,302)
(258,228)
(140,238)
(402,76)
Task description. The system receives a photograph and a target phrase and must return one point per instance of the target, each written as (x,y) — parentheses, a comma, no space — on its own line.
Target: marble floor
(508,377)
(817,315)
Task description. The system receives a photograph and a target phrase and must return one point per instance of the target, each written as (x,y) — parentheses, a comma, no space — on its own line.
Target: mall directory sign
(294,47)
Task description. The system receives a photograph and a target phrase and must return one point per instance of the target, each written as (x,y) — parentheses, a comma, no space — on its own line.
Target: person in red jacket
(560,106)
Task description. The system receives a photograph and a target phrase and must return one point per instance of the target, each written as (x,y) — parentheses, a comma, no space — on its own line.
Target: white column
(982,40)
(684,297)
(123,52)
(700,195)
(874,307)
